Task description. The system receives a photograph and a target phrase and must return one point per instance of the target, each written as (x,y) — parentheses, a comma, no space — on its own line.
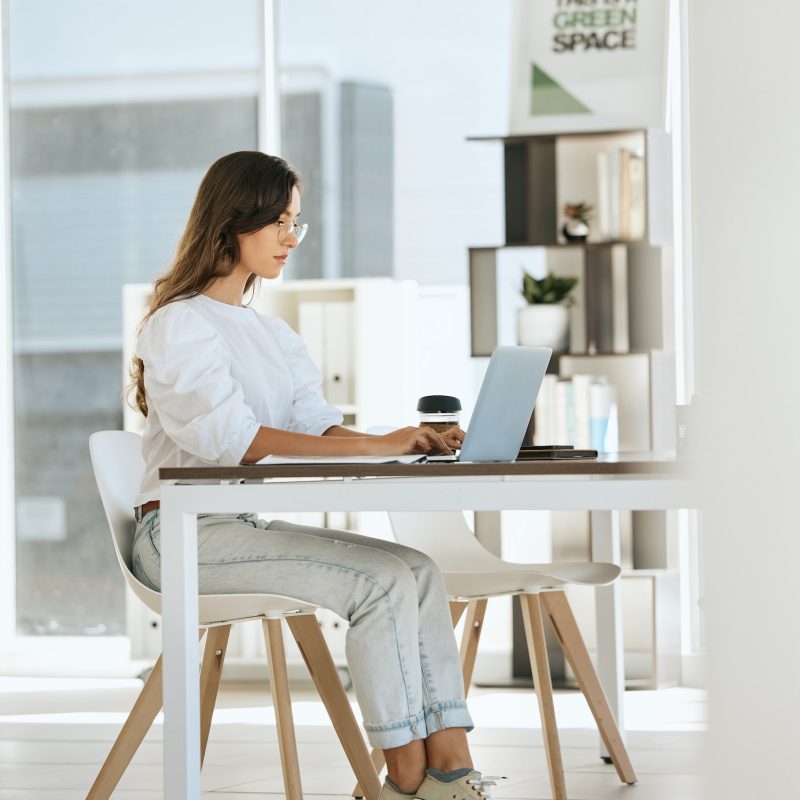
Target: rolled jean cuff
(451,714)
(385,735)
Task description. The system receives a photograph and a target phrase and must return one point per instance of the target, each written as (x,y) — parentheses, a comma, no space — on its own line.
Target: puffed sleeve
(310,412)
(188,383)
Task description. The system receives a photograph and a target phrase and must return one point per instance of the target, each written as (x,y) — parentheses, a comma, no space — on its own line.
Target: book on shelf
(606,300)
(637,219)
(610,193)
(603,199)
(564,413)
(544,410)
(624,194)
(580,411)
(620,194)
(618,276)
(580,398)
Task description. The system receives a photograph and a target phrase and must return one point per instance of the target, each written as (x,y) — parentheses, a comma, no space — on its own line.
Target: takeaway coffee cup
(438,411)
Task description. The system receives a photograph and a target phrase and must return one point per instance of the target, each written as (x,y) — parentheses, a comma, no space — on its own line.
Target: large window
(112,125)
(116,110)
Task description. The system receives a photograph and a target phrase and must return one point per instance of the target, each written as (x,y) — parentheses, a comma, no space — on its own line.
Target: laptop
(504,405)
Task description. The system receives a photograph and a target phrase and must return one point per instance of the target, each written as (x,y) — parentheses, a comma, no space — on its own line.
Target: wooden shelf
(604,354)
(525,137)
(554,244)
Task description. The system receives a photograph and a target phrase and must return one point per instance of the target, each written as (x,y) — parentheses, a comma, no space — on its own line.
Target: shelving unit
(623,307)
(620,327)
(542,173)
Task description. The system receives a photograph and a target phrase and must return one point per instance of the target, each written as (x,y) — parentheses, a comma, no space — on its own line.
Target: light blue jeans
(400,645)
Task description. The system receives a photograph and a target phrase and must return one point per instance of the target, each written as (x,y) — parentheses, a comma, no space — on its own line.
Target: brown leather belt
(140,511)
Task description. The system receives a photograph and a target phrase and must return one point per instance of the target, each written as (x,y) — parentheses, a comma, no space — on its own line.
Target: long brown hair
(241,193)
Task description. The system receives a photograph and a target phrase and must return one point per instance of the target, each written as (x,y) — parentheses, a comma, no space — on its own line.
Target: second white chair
(472,574)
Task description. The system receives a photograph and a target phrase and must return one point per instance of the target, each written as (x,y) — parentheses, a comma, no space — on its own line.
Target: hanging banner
(587,65)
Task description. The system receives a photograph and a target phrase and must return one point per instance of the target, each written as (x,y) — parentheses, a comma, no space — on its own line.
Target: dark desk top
(630,464)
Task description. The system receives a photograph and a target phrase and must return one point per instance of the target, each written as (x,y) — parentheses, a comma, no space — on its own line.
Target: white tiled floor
(54,736)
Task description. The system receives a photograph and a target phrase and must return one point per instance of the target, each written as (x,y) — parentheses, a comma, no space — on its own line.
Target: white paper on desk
(412,459)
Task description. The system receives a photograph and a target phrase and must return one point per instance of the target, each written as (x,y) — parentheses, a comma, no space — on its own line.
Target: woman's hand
(453,437)
(407,441)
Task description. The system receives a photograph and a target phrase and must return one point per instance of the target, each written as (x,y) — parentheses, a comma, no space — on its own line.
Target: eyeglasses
(285,230)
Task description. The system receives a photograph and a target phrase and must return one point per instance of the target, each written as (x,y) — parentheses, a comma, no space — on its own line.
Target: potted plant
(576,228)
(544,322)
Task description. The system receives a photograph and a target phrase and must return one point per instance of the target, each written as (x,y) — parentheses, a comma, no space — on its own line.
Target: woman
(220,383)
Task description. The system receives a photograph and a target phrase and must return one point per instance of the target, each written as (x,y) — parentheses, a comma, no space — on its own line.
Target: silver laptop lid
(505,403)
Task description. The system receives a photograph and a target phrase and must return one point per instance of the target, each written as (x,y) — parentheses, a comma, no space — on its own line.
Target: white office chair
(118,467)
(472,574)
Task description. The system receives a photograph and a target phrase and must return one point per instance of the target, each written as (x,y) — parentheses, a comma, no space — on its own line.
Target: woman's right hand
(407,441)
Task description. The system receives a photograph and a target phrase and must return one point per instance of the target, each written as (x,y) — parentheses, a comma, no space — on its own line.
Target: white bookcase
(368,341)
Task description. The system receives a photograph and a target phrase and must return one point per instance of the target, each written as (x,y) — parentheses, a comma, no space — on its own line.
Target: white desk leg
(179,631)
(610,654)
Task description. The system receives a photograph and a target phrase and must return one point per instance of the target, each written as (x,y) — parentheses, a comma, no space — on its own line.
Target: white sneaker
(388,793)
(471,787)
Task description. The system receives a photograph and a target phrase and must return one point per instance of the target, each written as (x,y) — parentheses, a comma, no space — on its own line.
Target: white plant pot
(544,325)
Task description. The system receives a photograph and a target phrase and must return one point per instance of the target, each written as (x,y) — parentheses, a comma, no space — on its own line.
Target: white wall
(448,66)
(85,38)
(745,122)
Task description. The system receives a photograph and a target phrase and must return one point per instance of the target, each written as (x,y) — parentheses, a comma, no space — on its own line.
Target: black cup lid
(438,404)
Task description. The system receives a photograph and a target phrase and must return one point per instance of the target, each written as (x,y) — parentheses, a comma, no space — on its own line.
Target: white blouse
(213,374)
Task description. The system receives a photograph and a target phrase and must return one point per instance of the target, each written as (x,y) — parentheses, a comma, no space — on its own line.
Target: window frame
(8,586)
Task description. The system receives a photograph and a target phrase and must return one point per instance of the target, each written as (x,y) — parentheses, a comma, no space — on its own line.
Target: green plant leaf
(548,290)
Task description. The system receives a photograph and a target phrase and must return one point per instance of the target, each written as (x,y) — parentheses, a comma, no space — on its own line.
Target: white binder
(328,331)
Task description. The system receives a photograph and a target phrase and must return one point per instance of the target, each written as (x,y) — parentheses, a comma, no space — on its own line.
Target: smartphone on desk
(559,451)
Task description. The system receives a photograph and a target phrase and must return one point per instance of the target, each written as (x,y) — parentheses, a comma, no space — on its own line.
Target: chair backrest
(448,540)
(118,469)
(445,537)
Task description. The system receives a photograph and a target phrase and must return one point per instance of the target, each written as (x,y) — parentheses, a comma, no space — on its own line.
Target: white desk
(603,487)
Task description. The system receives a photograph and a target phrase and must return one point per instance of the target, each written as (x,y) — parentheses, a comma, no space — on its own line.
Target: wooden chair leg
(456,610)
(537,651)
(139,722)
(469,642)
(566,628)
(282,701)
(210,674)
(314,650)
